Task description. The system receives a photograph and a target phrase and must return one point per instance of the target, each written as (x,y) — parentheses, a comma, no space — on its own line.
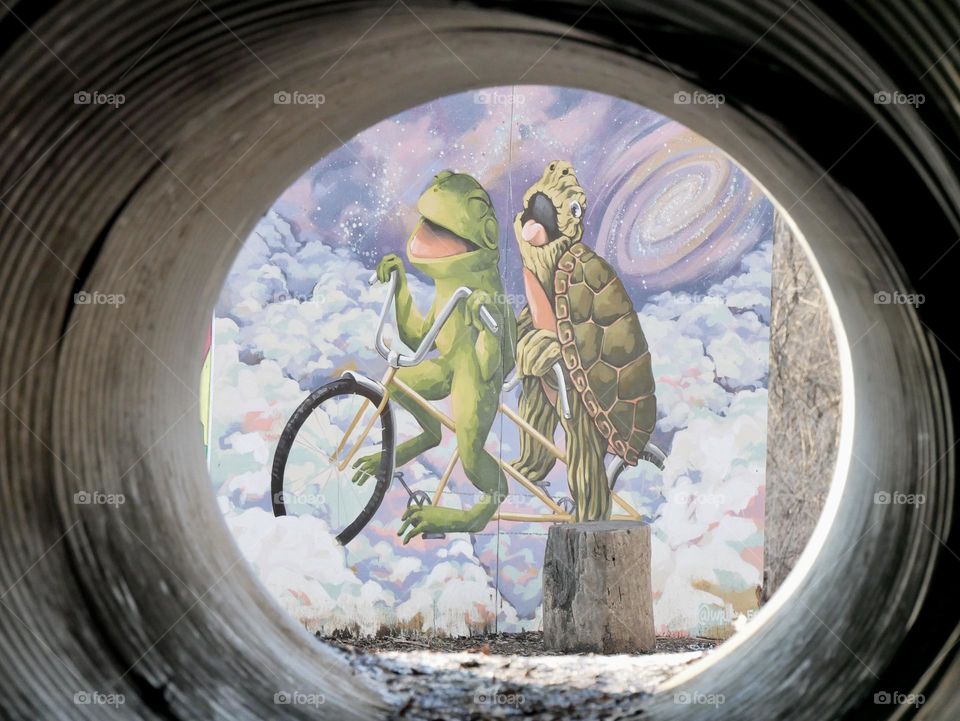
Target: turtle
(578,315)
(605,351)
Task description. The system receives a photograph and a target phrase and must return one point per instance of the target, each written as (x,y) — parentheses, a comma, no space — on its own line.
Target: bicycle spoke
(300,440)
(314,421)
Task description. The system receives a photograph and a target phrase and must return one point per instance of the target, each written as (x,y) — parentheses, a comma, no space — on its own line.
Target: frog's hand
(537,352)
(410,323)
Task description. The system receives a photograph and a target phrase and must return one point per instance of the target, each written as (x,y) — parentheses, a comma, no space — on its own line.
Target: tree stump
(597,594)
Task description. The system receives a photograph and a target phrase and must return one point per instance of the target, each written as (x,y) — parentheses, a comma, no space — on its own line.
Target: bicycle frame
(396,360)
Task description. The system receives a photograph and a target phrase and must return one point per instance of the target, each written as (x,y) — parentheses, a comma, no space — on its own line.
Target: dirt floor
(510,676)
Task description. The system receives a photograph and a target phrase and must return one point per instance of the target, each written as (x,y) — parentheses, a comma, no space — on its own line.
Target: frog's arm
(496,352)
(488,354)
(411,324)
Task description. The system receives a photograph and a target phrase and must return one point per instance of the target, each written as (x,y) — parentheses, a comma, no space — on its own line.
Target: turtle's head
(551,220)
(457,219)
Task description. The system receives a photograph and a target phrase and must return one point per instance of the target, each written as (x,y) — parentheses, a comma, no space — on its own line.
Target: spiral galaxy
(671,209)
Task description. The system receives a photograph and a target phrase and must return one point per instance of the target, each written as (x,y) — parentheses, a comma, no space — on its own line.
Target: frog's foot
(366,467)
(433,519)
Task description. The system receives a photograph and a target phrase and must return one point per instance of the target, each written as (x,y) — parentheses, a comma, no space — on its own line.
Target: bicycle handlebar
(398,360)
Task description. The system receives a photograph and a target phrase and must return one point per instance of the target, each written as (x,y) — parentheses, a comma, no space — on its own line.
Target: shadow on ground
(510,676)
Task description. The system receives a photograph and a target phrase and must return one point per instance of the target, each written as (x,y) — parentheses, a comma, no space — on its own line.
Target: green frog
(455,243)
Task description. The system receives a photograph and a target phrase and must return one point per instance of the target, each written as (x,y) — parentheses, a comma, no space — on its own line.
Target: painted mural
(490,313)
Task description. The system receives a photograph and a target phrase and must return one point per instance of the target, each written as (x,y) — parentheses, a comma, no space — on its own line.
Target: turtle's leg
(535,461)
(432,380)
(474,405)
(586,474)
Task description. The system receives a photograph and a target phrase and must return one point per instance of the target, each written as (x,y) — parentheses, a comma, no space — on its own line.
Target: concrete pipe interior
(152,199)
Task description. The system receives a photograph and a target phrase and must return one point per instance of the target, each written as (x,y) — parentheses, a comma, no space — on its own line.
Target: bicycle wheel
(312,468)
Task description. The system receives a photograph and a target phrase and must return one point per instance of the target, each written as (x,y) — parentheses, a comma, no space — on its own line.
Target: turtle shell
(604,350)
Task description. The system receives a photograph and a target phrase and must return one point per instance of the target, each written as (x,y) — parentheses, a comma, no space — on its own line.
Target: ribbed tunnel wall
(151,200)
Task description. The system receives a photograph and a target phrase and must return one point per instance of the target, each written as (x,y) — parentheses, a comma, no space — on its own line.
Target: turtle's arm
(537,352)
(524,321)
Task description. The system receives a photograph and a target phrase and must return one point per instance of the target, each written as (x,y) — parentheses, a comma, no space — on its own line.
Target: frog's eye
(477,206)
(576,210)
(553,166)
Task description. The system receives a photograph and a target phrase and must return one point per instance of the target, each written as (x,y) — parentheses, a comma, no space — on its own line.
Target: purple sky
(664,206)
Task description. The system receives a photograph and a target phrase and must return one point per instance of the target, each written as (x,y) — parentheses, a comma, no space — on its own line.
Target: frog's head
(551,220)
(458,230)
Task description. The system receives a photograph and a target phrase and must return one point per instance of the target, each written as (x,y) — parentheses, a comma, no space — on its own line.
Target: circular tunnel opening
(729,305)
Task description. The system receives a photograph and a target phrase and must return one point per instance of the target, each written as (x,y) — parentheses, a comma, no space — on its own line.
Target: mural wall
(599,239)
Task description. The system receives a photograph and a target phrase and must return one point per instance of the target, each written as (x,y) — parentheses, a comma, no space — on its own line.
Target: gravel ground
(511,676)
(528,643)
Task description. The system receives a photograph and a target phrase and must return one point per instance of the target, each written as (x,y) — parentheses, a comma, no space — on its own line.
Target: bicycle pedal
(433,536)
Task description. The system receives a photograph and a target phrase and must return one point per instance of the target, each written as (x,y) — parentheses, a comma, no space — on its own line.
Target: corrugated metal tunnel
(151,198)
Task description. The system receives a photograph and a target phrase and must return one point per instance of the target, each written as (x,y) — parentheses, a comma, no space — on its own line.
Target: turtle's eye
(575,209)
